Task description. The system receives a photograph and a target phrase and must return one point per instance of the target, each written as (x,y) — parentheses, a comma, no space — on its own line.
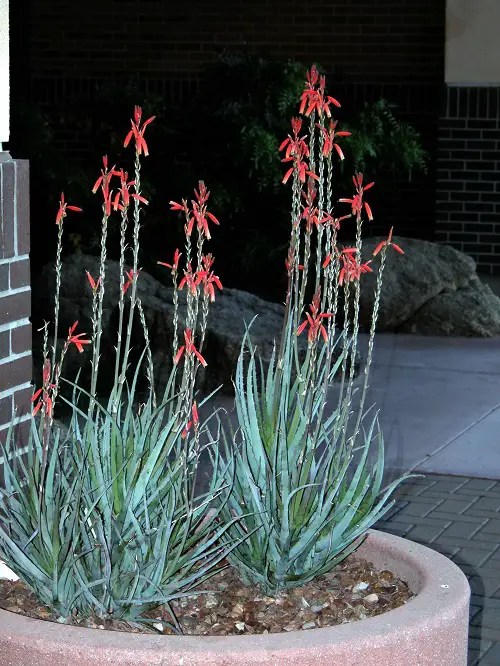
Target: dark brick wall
(369,49)
(15,297)
(468,174)
(366,40)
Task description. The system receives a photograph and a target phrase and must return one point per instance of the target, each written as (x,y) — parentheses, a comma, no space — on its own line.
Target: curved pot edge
(434,606)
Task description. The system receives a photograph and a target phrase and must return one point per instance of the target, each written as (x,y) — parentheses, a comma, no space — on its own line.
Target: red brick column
(15,297)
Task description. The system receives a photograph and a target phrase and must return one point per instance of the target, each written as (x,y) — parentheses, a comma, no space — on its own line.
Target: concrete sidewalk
(439,402)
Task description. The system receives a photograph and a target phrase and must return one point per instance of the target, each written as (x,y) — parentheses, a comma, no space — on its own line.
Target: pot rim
(441,588)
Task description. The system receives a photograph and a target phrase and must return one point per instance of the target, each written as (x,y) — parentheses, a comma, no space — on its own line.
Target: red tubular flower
(103,182)
(388,243)
(200,212)
(61,213)
(45,401)
(208,278)
(191,279)
(130,274)
(329,136)
(188,348)
(138,132)
(314,97)
(296,150)
(175,265)
(175,206)
(208,285)
(93,284)
(123,192)
(352,269)
(357,200)
(195,420)
(315,320)
(76,339)
(295,145)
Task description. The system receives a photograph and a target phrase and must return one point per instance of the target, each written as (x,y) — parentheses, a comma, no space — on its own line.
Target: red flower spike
(61,213)
(387,243)
(93,284)
(76,339)
(188,348)
(138,132)
(186,429)
(175,265)
(368,211)
(314,320)
(196,418)
(130,274)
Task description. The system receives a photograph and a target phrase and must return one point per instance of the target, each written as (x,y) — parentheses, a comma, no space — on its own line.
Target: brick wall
(368,48)
(15,296)
(366,40)
(468,175)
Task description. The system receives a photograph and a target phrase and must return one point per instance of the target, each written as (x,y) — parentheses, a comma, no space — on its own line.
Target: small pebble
(371,598)
(309,625)
(360,586)
(240,626)
(316,609)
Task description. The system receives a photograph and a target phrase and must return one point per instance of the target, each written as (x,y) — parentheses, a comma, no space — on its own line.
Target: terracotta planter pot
(431,630)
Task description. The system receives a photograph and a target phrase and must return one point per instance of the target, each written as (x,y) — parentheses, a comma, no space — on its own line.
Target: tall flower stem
(135,251)
(58,290)
(98,330)
(369,357)
(121,302)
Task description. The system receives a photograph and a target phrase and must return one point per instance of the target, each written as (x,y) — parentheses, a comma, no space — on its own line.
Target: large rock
(228,315)
(432,289)
(473,310)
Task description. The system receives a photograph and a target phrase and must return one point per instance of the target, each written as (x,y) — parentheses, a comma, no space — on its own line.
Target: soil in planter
(353,591)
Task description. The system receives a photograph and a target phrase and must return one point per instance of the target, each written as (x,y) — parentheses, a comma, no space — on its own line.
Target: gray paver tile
(488,617)
(449,486)
(492,526)
(425,498)
(417,509)
(481,513)
(471,492)
(487,603)
(486,571)
(456,506)
(411,490)
(486,536)
(486,633)
(470,556)
(479,645)
(449,551)
(418,520)
(480,484)
(461,530)
(492,656)
(482,585)
(473,611)
(424,533)
(483,546)
(487,504)
(394,526)
(453,516)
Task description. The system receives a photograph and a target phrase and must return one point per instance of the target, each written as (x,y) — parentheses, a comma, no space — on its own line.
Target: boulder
(228,315)
(472,311)
(432,289)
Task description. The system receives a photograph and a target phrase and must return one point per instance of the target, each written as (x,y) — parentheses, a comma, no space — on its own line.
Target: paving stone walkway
(459,517)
